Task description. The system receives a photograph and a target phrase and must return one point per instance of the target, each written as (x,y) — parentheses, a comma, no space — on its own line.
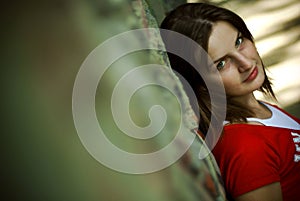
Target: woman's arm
(271,192)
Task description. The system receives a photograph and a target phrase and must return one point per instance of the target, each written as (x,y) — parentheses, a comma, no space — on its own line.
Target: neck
(249,101)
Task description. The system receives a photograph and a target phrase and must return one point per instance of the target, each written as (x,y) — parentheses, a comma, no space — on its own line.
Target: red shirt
(252,156)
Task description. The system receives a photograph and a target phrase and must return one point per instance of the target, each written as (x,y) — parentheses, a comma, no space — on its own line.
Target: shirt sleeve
(246,159)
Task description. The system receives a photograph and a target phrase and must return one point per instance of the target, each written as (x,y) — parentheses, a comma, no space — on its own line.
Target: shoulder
(244,145)
(242,139)
(247,159)
(284,111)
(244,132)
(239,137)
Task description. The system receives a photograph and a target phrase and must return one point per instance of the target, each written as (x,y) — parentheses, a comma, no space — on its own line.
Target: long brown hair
(195,20)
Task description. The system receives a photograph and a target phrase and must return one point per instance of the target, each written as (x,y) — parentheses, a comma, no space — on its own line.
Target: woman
(259,150)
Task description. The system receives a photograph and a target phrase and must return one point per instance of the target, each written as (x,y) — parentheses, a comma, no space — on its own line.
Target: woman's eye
(239,41)
(221,65)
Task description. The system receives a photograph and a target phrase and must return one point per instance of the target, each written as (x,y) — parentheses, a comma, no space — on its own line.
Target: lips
(252,75)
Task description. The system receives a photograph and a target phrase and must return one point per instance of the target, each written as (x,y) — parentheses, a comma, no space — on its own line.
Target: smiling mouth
(252,75)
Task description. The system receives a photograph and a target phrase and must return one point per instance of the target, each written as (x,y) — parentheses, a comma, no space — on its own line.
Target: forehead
(222,39)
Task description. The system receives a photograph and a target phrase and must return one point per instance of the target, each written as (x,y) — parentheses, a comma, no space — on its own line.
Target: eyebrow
(238,35)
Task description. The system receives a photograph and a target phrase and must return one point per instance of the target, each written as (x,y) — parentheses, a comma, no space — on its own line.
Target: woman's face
(236,59)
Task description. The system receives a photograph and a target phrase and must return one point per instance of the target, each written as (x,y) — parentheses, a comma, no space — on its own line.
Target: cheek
(251,50)
(229,83)
(261,77)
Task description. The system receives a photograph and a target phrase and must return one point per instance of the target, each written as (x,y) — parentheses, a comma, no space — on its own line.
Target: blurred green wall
(43,46)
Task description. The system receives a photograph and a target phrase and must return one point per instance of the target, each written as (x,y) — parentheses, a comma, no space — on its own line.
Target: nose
(243,62)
